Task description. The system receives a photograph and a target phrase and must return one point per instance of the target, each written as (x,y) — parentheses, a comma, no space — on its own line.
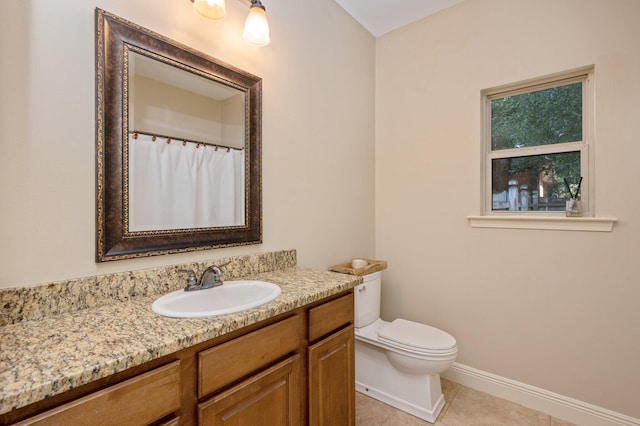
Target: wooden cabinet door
(332,380)
(272,397)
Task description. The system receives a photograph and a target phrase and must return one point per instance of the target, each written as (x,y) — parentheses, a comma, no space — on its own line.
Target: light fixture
(256,27)
(211,9)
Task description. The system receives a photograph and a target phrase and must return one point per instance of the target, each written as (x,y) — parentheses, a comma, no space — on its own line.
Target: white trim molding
(558,223)
(559,406)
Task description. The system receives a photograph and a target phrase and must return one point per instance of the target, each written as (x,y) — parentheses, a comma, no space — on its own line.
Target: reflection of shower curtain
(183,185)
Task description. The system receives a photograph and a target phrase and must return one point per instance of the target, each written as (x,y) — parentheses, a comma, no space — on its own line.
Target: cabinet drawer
(332,315)
(137,401)
(237,358)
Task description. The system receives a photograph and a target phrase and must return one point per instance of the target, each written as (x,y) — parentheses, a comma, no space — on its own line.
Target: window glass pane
(534,182)
(544,117)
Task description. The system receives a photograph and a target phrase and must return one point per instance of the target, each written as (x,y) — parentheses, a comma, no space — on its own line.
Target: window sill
(557,223)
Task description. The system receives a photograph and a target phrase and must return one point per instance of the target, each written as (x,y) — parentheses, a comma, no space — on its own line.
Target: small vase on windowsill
(574,207)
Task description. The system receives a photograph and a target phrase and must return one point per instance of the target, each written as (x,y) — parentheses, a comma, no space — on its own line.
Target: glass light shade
(256,27)
(211,9)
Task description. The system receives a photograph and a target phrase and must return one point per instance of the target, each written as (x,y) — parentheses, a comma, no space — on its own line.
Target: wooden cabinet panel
(237,358)
(332,380)
(137,401)
(330,316)
(269,398)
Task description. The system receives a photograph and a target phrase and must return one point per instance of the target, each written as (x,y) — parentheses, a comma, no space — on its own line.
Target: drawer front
(137,401)
(237,358)
(332,315)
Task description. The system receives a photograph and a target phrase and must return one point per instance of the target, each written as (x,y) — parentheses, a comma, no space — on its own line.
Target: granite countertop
(41,358)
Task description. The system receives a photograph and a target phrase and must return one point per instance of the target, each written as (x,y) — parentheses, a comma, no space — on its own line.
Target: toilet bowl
(399,362)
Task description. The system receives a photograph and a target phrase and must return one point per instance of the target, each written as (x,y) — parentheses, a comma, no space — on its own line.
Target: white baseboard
(559,406)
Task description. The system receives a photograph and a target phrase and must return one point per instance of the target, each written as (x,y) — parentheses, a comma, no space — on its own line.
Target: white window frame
(585,146)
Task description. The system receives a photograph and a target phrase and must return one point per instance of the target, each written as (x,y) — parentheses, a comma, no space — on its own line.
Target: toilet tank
(367,299)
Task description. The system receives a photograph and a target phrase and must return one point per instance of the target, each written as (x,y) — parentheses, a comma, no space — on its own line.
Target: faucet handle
(217,270)
(192,281)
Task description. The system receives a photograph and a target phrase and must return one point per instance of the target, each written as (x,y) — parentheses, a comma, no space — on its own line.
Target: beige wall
(555,309)
(162,109)
(318,130)
(232,118)
(168,110)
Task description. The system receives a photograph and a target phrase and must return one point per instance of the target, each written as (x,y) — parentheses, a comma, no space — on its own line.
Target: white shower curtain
(180,185)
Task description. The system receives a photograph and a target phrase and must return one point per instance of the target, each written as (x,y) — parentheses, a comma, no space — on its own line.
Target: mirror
(185,148)
(178,146)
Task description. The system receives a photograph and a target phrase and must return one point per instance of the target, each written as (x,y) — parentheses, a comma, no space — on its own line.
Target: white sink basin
(232,296)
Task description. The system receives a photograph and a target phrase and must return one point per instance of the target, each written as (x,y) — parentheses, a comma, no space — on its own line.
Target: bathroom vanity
(290,361)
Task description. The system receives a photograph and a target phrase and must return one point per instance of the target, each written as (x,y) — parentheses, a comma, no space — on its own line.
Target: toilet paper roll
(358,263)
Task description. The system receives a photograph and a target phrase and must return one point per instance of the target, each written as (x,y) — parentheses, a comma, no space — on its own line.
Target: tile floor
(464,406)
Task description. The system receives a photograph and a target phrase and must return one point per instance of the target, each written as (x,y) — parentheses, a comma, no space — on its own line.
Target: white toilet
(399,362)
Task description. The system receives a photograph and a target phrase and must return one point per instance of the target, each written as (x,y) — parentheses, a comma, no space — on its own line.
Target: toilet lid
(417,335)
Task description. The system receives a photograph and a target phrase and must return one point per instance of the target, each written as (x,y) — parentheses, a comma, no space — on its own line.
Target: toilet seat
(417,338)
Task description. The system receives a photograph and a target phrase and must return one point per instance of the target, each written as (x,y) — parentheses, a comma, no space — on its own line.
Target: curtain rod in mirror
(184,141)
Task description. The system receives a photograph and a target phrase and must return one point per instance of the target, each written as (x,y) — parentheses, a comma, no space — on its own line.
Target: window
(537,146)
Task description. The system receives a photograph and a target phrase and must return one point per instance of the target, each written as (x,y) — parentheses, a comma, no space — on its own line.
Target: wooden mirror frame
(114,38)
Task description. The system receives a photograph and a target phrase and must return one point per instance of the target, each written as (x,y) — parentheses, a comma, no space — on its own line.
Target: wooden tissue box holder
(372,266)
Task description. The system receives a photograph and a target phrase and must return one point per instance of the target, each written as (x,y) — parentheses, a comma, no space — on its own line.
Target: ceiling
(381,16)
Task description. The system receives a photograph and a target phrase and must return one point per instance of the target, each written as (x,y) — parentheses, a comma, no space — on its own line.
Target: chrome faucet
(211,277)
